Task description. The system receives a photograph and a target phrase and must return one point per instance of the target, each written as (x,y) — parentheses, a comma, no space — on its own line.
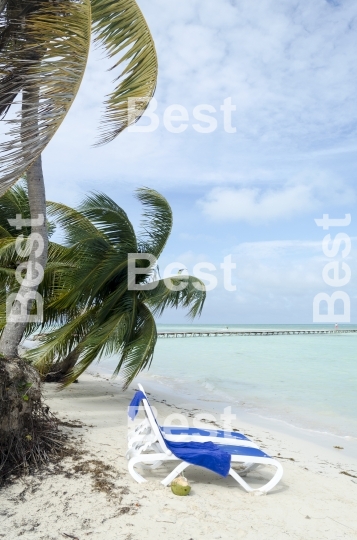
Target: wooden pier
(250,333)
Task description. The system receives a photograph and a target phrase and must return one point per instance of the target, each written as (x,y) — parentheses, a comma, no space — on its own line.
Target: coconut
(180,486)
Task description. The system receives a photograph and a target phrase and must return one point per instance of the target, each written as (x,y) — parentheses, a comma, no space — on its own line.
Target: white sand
(313,500)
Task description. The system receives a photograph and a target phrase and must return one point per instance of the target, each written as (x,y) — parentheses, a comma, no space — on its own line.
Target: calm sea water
(309,381)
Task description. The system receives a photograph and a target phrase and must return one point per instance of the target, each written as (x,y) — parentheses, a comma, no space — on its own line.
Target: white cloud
(289,68)
(276,282)
(283,276)
(285,63)
(254,205)
(272,249)
(257,205)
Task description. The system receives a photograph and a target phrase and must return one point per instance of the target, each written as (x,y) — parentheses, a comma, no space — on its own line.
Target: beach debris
(125,510)
(70,536)
(103,475)
(76,424)
(164,519)
(180,486)
(348,474)
(339,447)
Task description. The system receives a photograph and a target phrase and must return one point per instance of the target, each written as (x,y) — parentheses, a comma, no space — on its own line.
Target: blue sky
(290,69)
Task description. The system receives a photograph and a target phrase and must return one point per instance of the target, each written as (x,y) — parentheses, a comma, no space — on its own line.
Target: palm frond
(13,202)
(60,342)
(120,27)
(110,219)
(138,353)
(8,255)
(167,293)
(157,220)
(77,228)
(98,341)
(43,53)
(4,233)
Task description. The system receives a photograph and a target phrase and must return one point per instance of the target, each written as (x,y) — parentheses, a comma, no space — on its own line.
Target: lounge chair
(152,445)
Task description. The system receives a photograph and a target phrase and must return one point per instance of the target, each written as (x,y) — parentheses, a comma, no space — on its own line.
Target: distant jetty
(224,333)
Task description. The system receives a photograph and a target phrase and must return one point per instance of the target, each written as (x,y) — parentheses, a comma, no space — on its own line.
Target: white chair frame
(147,447)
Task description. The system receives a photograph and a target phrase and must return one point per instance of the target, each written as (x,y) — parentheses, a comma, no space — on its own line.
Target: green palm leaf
(120,28)
(156,224)
(107,337)
(110,219)
(60,341)
(43,52)
(138,353)
(76,227)
(15,201)
(167,294)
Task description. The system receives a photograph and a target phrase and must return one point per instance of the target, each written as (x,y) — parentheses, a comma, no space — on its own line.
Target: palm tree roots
(29,433)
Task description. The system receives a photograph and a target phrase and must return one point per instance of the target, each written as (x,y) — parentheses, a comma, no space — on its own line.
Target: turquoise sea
(306,381)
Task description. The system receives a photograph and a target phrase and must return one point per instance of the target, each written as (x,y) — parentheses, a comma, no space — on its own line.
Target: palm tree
(92,306)
(96,306)
(43,53)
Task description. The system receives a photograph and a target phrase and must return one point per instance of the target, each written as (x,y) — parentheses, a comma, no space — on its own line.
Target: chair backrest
(154,425)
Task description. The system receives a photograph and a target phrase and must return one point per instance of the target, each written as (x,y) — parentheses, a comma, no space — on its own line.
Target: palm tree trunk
(15,327)
(19,317)
(21,412)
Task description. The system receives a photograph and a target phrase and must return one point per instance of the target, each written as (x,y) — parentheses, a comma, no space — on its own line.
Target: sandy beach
(91,495)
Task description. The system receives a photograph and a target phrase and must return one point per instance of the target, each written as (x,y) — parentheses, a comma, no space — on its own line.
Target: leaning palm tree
(44,47)
(93,306)
(43,53)
(97,306)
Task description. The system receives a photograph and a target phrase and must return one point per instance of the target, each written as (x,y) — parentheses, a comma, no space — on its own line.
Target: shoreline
(249,422)
(315,499)
(323,413)
(299,385)
(324,439)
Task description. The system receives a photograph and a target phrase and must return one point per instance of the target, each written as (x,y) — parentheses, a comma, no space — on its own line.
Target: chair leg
(133,461)
(276,478)
(240,480)
(267,487)
(153,460)
(174,473)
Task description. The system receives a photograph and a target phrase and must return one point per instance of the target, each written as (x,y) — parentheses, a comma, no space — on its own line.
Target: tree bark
(22,415)
(17,322)
(19,390)
(14,329)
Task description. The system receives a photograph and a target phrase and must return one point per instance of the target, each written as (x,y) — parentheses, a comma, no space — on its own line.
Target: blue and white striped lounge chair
(151,445)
